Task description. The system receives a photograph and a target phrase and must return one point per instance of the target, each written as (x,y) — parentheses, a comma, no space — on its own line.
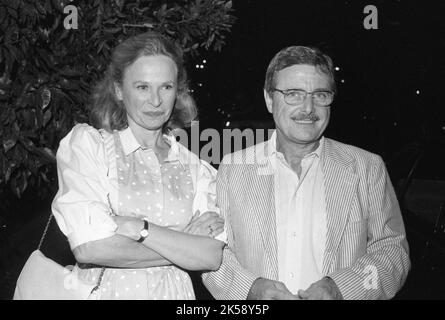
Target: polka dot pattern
(162,192)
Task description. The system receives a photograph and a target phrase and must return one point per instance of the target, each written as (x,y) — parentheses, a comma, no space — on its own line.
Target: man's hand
(209,224)
(324,289)
(265,289)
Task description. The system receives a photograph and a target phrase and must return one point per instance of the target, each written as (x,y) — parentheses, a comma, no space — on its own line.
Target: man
(307,217)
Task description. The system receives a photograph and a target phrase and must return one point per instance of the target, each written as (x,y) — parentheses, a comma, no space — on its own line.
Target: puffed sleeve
(81,207)
(205,197)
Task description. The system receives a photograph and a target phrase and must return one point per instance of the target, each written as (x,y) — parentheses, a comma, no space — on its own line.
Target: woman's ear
(118,91)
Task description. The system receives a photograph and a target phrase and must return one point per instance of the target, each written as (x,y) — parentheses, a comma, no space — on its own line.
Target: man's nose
(155,99)
(308,104)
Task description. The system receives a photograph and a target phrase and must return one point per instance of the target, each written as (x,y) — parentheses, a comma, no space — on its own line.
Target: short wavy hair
(299,55)
(107,112)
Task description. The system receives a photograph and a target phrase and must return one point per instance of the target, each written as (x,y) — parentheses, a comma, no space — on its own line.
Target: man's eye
(168,86)
(295,93)
(321,95)
(142,87)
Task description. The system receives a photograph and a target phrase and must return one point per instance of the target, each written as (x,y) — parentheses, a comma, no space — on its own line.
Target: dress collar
(130,144)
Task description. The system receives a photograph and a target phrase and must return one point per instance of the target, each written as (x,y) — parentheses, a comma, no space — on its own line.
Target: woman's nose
(155,99)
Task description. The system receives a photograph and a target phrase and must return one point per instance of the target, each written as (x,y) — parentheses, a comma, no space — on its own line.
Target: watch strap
(142,238)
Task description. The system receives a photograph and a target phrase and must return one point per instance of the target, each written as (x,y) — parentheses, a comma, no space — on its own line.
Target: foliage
(46,70)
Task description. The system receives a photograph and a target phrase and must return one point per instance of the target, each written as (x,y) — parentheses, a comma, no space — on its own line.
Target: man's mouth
(305,120)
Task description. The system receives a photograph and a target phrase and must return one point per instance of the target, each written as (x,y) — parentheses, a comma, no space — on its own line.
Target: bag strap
(45,231)
(99,280)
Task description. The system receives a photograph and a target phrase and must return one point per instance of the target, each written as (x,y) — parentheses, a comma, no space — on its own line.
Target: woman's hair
(107,112)
(299,55)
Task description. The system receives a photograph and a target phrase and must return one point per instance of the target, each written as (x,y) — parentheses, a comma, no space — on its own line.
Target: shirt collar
(272,146)
(130,144)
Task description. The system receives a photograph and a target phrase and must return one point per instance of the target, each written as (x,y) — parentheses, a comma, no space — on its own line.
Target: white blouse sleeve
(81,207)
(205,198)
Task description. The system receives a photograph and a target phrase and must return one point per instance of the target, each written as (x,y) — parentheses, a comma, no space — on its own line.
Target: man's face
(304,123)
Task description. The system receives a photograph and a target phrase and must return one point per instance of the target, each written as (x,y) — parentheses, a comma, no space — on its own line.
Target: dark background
(377,106)
(391,102)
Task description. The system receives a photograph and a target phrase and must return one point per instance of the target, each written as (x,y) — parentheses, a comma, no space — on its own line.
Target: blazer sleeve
(231,281)
(381,272)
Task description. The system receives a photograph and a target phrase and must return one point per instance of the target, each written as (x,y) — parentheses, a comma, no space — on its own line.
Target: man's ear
(269,101)
(118,91)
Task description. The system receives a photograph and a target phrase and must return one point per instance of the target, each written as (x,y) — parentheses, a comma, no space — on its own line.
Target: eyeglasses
(295,97)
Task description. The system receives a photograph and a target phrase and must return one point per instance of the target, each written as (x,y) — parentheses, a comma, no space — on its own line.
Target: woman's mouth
(153,113)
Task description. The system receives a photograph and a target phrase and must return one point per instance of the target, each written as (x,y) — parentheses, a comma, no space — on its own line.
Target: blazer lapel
(340,185)
(261,198)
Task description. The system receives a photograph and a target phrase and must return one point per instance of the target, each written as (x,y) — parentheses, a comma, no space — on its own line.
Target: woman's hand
(129,227)
(208,224)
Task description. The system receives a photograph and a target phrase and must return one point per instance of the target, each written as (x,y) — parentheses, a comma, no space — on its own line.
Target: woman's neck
(150,139)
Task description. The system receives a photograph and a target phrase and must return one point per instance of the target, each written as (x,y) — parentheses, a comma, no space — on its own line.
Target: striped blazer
(366,251)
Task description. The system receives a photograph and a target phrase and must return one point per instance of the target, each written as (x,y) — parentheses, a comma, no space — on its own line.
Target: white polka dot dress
(164,194)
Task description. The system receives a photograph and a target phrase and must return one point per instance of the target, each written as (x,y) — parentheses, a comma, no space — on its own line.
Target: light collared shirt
(300,208)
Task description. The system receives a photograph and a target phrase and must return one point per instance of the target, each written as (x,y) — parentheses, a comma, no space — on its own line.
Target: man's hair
(299,55)
(109,113)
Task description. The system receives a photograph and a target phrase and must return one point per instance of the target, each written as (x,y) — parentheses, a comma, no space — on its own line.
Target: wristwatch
(144,232)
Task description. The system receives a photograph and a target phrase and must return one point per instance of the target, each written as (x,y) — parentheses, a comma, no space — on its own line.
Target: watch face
(144,233)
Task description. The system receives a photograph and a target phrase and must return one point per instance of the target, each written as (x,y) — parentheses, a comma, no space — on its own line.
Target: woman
(130,195)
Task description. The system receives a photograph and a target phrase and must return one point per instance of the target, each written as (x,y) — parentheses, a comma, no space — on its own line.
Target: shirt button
(292,275)
(294,234)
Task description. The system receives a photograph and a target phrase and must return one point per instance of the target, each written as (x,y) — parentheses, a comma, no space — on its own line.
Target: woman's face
(148,91)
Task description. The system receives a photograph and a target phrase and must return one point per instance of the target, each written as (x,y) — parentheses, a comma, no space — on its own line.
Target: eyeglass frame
(284,93)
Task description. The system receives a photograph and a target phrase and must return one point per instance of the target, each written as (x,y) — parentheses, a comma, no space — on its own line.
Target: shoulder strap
(45,231)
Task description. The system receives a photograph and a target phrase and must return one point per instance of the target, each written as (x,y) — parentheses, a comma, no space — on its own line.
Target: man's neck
(294,152)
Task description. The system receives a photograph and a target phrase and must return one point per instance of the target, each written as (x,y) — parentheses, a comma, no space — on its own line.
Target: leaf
(50,154)
(29,118)
(2,14)
(13,12)
(40,8)
(9,143)
(44,177)
(46,98)
(70,73)
(47,117)
(19,183)
(112,30)
(8,174)
(13,50)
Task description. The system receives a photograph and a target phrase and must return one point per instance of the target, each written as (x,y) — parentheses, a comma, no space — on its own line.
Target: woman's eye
(168,86)
(142,87)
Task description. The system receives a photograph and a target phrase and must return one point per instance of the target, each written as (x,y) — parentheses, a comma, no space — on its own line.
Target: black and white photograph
(222,151)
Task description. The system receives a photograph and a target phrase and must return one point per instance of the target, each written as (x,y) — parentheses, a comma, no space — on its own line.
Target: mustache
(304,117)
